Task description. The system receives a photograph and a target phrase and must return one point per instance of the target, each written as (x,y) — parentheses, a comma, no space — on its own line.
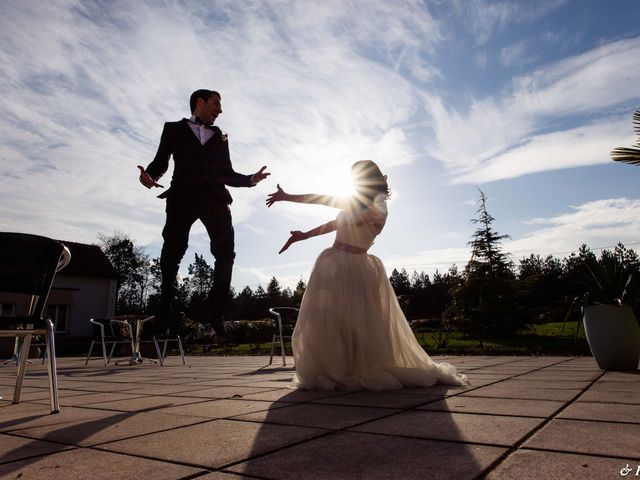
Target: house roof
(87,261)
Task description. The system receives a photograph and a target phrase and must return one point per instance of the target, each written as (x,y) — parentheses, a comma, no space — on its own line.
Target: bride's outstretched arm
(330,201)
(297,235)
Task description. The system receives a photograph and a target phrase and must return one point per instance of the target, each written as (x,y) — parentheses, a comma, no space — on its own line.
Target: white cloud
(307,89)
(486,18)
(515,55)
(538,116)
(594,223)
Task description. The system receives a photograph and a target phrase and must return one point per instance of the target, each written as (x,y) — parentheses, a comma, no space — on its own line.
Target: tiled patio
(233,417)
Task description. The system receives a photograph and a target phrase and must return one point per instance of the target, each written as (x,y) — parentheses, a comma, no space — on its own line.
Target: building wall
(87,298)
(75,298)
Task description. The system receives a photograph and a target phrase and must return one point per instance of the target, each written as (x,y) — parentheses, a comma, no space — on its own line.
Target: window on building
(59,315)
(7,309)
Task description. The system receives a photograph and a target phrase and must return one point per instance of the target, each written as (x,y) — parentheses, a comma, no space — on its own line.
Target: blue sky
(522,99)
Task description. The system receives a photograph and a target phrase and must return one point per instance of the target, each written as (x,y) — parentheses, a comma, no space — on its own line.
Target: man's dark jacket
(200,172)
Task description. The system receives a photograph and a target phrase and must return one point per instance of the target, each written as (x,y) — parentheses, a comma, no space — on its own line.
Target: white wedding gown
(351,333)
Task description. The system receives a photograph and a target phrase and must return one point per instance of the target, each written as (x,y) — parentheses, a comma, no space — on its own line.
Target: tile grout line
(514,448)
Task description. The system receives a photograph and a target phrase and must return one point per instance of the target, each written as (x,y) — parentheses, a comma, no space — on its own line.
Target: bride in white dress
(351,333)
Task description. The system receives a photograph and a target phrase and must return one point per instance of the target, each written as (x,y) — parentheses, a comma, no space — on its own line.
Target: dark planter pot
(613,334)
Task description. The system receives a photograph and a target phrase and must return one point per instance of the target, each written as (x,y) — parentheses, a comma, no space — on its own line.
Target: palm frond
(630,155)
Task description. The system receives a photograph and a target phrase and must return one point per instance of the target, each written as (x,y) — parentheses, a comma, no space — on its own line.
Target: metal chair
(286,318)
(28,265)
(110,331)
(165,336)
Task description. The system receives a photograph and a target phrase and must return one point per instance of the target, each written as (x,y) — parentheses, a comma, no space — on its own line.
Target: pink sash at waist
(345,247)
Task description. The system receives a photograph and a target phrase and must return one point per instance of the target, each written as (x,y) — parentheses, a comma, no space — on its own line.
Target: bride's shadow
(399,434)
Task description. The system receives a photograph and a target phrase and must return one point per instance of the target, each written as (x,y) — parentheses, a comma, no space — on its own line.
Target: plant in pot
(611,286)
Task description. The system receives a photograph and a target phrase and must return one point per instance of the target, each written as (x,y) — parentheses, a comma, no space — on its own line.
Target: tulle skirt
(352,335)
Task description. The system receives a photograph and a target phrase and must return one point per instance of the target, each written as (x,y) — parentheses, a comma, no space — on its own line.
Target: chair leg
(86,362)
(22,366)
(52,368)
(284,360)
(160,359)
(113,347)
(184,362)
(273,347)
(164,348)
(133,346)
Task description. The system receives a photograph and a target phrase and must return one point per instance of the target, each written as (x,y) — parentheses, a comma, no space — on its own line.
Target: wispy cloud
(88,85)
(505,136)
(515,55)
(594,223)
(487,18)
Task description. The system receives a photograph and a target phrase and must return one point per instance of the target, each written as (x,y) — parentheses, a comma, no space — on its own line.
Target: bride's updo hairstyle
(369,182)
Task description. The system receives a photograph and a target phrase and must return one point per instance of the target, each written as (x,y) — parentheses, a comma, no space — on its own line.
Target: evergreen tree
(400,282)
(484,303)
(298,293)
(200,278)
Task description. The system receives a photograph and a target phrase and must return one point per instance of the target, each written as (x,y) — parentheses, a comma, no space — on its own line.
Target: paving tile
(595,438)
(16,448)
(289,395)
(608,386)
(350,455)
(442,390)
(622,376)
(612,412)
(497,406)
(27,415)
(215,443)
(89,399)
(380,399)
(222,408)
(165,389)
(79,386)
(224,476)
(590,395)
(558,377)
(90,464)
(223,392)
(524,383)
(109,426)
(317,415)
(535,465)
(500,391)
(144,403)
(283,383)
(490,429)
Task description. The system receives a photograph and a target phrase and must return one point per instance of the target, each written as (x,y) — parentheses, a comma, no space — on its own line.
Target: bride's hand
(278,196)
(296,236)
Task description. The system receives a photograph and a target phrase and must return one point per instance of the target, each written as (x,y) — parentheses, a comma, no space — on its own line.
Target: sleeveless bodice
(360,228)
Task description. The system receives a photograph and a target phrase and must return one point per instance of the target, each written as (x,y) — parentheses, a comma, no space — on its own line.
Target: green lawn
(541,339)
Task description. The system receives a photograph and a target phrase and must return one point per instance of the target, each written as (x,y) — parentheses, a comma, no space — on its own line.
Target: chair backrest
(106,325)
(289,316)
(28,265)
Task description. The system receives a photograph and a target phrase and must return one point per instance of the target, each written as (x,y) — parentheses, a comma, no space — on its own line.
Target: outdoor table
(139,320)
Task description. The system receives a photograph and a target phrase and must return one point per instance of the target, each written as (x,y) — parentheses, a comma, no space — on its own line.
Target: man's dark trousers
(182,213)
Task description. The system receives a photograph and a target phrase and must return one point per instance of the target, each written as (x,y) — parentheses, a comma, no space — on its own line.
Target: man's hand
(296,236)
(146,179)
(259,175)
(278,196)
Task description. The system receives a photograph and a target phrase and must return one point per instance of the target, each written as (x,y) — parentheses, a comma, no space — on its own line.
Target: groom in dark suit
(202,168)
